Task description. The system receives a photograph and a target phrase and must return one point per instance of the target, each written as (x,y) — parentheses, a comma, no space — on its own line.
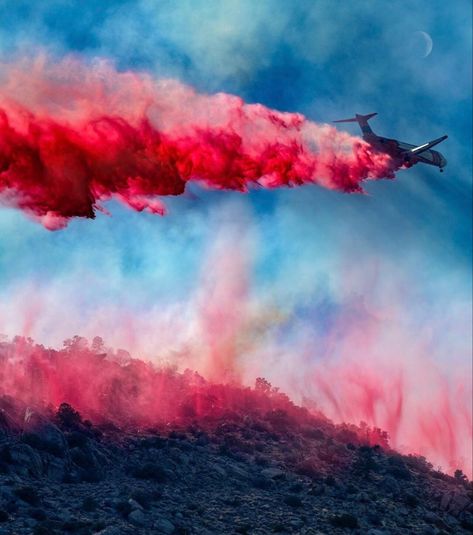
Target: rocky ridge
(260,467)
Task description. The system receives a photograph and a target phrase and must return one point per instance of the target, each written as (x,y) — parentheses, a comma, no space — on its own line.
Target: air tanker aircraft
(404,152)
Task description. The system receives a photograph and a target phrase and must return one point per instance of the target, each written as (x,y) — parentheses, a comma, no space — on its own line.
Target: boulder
(26,461)
(164,526)
(272,473)
(137,517)
(54,468)
(217,470)
(41,433)
(455,502)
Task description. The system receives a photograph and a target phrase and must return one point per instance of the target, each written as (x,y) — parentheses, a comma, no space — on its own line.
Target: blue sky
(311,57)
(308,57)
(316,259)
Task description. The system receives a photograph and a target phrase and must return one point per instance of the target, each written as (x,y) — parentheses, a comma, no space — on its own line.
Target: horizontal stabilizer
(426,146)
(352,120)
(357,119)
(362,120)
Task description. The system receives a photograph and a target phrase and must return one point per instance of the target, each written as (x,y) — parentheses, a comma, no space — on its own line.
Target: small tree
(460,476)
(262,385)
(67,416)
(98,345)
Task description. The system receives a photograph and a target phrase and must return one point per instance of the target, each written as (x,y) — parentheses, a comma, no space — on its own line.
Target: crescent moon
(427,41)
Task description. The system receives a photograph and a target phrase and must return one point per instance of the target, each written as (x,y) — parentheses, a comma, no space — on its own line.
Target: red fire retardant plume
(73,135)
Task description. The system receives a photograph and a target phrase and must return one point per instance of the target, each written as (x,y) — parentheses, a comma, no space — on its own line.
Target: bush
(89,504)
(460,477)
(315,433)
(398,469)
(345,520)
(124,508)
(411,500)
(262,385)
(68,417)
(149,471)
(38,514)
(5,454)
(91,475)
(293,500)
(308,468)
(75,439)
(365,461)
(262,483)
(27,494)
(330,481)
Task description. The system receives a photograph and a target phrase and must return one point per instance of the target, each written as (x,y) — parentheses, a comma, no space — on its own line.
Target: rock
(27,461)
(296,523)
(54,467)
(217,469)
(390,485)
(459,502)
(137,517)
(164,526)
(272,473)
(40,432)
(445,500)
(431,517)
(110,530)
(237,471)
(134,504)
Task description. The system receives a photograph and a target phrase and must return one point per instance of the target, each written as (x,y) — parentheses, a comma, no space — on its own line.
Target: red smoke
(115,388)
(72,136)
(133,394)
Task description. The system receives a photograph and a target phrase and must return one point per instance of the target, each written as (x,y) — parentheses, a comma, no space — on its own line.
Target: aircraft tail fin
(362,120)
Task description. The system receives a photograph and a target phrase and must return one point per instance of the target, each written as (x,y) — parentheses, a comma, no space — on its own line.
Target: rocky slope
(256,465)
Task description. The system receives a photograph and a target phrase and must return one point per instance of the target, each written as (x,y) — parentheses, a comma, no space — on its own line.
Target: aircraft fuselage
(400,150)
(404,153)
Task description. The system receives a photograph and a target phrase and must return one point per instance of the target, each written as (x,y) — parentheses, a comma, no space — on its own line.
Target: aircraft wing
(426,146)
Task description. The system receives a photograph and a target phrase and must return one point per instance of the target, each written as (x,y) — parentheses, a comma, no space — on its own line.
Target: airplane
(405,152)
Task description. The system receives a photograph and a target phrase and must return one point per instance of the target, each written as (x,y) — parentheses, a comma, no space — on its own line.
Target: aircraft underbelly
(431,157)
